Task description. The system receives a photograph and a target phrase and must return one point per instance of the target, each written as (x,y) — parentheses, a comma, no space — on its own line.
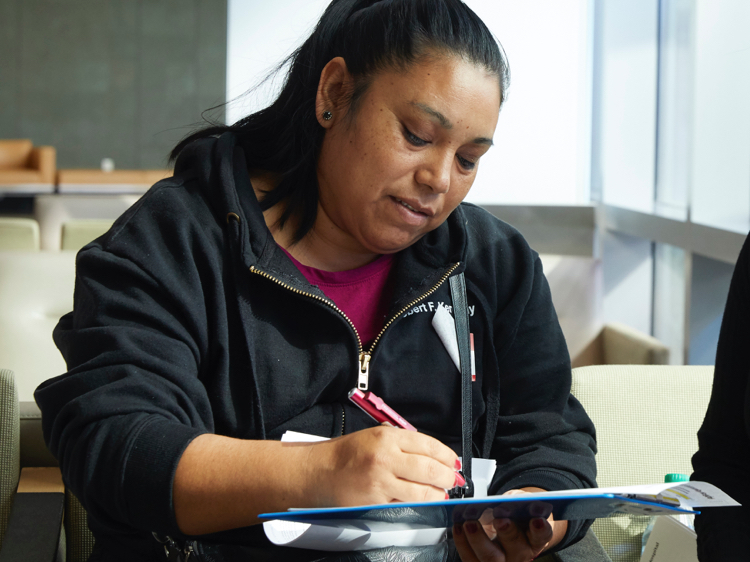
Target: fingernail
(447,496)
(460,481)
(503,525)
(471,527)
(458,530)
(458,464)
(538,524)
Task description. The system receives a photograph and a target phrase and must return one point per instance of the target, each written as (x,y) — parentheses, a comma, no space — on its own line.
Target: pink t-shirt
(362,294)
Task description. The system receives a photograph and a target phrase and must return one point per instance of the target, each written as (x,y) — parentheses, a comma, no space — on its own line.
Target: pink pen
(378,410)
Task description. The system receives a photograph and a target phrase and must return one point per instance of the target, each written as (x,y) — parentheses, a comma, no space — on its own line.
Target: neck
(325,247)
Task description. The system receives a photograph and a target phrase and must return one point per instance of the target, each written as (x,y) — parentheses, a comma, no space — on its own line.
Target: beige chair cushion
(9,447)
(36,289)
(19,234)
(77,233)
(15,153)
(646,419)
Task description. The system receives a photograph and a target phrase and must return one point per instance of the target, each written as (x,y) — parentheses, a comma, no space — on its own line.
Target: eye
(467,165)
(414,139)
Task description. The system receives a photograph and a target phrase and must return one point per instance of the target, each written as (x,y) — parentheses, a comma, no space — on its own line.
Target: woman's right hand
(381,465)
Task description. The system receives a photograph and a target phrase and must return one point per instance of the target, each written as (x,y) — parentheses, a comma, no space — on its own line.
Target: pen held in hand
(378,410)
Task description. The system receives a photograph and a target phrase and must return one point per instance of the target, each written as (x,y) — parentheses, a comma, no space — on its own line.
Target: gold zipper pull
(364,371)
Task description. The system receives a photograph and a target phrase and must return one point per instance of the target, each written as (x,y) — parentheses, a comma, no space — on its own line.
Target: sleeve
(723,443)
(132,401)
(544,437)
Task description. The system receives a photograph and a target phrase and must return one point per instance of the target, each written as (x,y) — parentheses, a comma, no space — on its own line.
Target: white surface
(26,188)
(576,284)
(721,140)
(627,267)
(627,129)
(103,189)
(542,145)
(675,109)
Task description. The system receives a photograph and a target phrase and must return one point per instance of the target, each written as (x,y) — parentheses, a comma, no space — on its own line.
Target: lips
(416,207)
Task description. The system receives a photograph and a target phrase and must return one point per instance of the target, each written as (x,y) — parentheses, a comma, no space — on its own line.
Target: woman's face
(407,156)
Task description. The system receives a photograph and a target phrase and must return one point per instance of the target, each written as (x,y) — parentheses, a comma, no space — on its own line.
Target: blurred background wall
(120,79)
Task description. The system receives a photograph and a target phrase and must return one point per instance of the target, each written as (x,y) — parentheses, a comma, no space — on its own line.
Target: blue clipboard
(448,512)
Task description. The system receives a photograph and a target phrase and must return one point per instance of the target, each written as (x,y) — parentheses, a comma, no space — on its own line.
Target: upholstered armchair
(25,168)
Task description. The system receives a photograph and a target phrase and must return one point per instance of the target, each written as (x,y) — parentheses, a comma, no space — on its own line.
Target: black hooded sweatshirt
(189,319)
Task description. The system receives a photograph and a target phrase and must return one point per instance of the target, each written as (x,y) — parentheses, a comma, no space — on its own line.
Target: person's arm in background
(723,455)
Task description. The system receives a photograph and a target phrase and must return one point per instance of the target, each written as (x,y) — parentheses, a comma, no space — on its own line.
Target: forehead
(448,84)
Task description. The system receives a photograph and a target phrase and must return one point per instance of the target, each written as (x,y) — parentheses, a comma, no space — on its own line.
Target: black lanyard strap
(461,316)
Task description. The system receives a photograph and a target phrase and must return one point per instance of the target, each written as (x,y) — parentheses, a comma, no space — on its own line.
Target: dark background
(121,79)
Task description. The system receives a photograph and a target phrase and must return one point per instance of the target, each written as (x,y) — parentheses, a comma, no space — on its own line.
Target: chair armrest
(34,528)
(43,159)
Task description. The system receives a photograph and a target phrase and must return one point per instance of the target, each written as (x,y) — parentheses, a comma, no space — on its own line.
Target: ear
(335,82)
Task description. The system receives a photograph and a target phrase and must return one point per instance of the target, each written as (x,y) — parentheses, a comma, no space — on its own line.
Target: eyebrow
(445,122)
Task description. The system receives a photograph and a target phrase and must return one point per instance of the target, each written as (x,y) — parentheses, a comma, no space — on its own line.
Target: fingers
(473,544)
(425,470)
(421,444)
(539,534)
(521,543)
(513,542)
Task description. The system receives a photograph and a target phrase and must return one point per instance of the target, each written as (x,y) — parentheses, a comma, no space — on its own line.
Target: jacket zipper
(363,372)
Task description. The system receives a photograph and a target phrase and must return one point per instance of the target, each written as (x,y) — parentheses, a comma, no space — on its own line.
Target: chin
(392,246)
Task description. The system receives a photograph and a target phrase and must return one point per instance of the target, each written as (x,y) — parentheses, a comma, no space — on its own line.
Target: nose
(435,172)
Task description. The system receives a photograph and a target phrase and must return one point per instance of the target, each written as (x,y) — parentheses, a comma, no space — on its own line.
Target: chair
(52,211)
(36,289)
(9,447)
(79,541)
(19,234)
(647,419)
(77,233)
(26,169)
(31,505)
(618,344)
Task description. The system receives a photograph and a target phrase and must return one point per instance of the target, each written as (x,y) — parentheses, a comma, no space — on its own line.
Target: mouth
(415,207)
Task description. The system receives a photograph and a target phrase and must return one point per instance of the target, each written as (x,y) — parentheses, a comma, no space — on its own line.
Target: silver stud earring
(327,115)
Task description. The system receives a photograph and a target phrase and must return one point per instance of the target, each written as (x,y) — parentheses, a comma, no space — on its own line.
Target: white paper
(297,437)
(322,537)
(482,471)
(685,494)
(670,541)
(445,327)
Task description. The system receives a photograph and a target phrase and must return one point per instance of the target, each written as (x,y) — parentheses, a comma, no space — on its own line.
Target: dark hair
(371,35)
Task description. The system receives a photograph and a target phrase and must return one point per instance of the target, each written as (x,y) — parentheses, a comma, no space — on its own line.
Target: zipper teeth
(316,297)
(408,306)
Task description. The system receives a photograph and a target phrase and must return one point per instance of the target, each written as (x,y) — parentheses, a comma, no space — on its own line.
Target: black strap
(461,315)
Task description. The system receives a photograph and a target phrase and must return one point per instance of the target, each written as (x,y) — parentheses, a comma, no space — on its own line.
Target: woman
(292,254)
(724,437)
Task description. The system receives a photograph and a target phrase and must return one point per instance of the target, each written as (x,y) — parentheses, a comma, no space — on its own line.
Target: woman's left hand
(505,540)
